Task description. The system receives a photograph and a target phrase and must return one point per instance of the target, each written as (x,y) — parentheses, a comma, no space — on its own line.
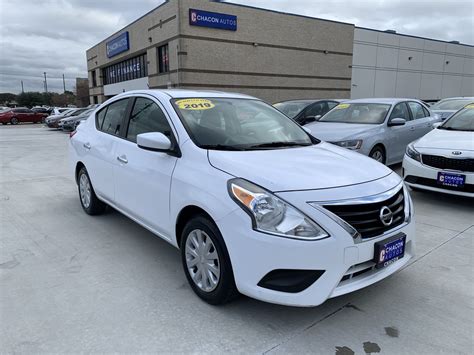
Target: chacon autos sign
(118,45)
(212,19)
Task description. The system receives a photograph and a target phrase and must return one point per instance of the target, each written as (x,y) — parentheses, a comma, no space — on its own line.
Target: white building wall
(394,65)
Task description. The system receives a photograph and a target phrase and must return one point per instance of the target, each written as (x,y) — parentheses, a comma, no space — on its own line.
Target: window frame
(163,67)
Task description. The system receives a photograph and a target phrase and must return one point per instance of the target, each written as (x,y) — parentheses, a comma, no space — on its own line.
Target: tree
(30,99)
(6,98)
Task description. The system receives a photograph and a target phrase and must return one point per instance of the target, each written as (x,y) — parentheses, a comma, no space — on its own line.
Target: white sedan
(443,160)
(255,204)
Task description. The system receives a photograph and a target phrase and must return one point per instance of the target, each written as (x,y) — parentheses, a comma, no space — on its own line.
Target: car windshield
(292,108)
(86,113)
(371,113)
(461,121)
(5,110)
(451,104)
(238,124)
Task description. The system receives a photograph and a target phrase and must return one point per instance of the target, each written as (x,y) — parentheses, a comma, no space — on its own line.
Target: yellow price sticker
(342,106)
(469,106)
(195,104)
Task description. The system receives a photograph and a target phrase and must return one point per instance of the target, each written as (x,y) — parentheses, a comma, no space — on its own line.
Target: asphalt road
(73,283)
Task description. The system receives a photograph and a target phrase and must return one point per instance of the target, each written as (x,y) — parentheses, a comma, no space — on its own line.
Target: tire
(200,230)
(89,201)
(14,121)
(378,153)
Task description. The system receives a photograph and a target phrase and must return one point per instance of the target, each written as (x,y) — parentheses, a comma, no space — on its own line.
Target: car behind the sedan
(255,204)
(378,128)
(443,160)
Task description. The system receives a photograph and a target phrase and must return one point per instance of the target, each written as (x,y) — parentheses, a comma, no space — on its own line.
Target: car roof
(467,98)
(182,93)
(384,100)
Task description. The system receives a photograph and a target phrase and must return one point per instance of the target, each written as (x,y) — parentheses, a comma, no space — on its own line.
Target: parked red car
(21,114)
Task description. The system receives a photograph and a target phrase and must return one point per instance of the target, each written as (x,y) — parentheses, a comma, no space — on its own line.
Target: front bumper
(418,175)
(347,265)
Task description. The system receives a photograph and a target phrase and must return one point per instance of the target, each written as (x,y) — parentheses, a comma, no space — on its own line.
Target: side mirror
(397,122)
(307,130)
(309,119)
(437,124)
(154,141)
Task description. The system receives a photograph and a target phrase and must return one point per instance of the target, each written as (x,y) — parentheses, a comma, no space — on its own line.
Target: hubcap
(377,155)
(85,190)
(202,260)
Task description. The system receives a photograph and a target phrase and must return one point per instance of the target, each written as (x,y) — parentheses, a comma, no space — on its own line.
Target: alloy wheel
(202,260)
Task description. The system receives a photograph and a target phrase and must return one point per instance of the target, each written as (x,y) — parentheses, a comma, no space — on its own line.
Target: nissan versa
(255,204)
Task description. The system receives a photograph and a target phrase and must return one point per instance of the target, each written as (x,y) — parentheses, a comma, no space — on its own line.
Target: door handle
(122,159)
(412,128)
(87,146)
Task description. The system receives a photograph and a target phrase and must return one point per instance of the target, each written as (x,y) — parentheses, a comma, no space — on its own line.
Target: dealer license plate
(389,250)
(453,180)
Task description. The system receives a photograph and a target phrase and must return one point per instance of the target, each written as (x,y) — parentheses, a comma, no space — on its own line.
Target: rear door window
(112,121)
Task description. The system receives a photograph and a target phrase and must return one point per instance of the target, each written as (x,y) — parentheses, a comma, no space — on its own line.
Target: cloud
(53,35)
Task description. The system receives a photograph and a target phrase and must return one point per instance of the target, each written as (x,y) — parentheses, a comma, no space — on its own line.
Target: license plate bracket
(389,250)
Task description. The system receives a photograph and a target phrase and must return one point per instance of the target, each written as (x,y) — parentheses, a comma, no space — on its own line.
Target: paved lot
(74,283)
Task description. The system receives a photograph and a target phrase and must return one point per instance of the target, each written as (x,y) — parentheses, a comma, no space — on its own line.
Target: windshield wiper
(220,147)
(278,145)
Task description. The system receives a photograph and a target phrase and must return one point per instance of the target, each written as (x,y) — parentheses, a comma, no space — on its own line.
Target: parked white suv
(255,203)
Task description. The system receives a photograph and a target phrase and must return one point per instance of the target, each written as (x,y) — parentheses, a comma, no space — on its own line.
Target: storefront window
(163,59)
(130,69)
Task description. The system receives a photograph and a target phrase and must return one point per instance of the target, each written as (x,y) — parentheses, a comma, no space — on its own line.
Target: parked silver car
(447,107)
(379,128)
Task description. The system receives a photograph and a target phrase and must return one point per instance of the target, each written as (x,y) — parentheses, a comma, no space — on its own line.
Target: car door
(143,177)
(400,136)
(423,120)
(100,158)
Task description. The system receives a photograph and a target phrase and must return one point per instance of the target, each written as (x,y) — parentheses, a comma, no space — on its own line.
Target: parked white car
(379,128)
(255,204)
(447,107)
(443,160)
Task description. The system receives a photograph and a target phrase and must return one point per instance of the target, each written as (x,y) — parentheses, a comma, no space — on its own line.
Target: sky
(52,36)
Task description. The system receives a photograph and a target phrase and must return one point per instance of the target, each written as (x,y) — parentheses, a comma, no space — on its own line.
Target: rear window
(451,104)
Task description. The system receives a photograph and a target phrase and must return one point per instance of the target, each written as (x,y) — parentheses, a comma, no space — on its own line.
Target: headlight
(272,215)
(413,153)
(353,144)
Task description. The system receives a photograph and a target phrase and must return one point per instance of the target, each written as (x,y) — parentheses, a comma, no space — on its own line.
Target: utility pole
(22,90)
(64,84)
(45,83)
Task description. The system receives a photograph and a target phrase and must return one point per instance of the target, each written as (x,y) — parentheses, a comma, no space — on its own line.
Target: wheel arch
(185,215)
(79,166)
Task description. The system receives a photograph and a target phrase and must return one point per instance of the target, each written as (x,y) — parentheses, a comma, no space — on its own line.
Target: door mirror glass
(397,122)
(154,141)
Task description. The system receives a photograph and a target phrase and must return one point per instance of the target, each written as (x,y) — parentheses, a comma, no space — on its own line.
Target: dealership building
(213,45)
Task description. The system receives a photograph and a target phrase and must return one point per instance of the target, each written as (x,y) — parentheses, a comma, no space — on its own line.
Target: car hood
(443,139)
(321,166)
(335,131)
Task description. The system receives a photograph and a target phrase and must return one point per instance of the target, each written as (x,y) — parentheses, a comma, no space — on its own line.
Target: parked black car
(306,111)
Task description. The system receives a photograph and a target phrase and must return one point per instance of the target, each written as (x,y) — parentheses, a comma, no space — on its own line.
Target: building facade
(201,44)
(182,44)
(387,64)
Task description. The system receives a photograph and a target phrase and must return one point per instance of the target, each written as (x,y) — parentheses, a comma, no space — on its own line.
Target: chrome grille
(440,162)
(365,218)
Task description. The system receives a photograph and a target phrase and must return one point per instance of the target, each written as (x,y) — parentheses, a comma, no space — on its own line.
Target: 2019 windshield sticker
(342,106)
(470,106)
(195,104)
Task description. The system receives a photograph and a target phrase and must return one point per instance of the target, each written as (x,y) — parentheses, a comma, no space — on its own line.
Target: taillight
(72,134)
